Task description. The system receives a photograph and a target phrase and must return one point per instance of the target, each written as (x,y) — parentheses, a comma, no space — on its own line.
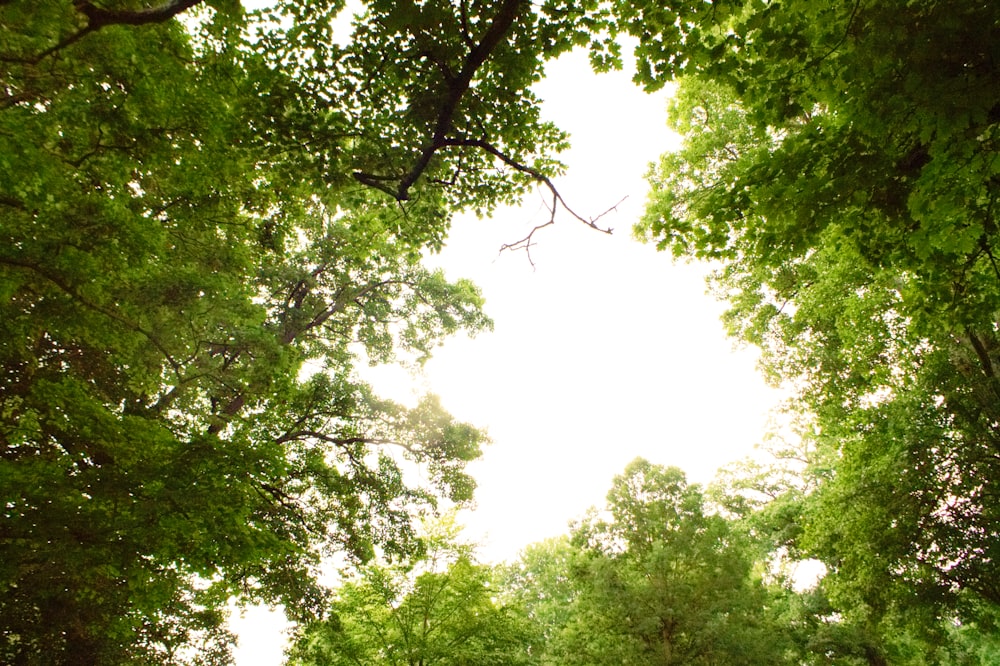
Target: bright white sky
(604,351)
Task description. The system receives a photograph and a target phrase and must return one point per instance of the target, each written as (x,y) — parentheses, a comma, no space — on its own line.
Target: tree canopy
(209,215)
(441,608)
(660,582)
(840,163)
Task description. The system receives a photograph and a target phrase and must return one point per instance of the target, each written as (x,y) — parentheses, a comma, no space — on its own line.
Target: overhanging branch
(557,199)
(99,17)
(457,88)
(398,186)
(546,182)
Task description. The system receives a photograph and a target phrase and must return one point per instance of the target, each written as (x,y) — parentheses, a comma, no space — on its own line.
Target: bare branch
(557,201)
(557,198)
(541,178)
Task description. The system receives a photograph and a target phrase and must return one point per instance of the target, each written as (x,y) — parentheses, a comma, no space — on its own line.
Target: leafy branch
(75,295)
(457,88)
(99,17)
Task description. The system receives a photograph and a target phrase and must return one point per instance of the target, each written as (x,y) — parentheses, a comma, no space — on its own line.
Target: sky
(604,350)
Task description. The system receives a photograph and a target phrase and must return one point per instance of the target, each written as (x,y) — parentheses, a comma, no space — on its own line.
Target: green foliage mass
(208,215)
(662,581)
(667,574)
(662,575)
(840,165)
(439,609)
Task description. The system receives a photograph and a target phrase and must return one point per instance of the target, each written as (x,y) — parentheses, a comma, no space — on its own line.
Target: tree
(542,581)
(203,227)
(840,163)
(661,582)
(439,609)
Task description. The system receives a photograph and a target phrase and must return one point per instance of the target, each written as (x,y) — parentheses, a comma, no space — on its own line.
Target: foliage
(840,161)
(543,582)
(439,609)
(204,225)
(655,578)
(661,582)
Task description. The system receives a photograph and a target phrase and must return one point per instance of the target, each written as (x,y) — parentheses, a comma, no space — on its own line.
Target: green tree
(204,226)
(439,609)
(543,582)
(661,582)
(840,162)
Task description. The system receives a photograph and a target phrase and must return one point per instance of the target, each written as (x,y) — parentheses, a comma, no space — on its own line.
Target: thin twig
(557,200)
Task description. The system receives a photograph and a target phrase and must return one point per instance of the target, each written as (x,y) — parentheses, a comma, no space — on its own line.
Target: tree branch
(457,87)
(557,200)
(984,356)
(338,441)
(107,312)
(98,17)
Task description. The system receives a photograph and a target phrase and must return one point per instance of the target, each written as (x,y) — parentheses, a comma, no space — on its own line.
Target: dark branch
(338,441)
(540,177)
(557,200)
(982,353)
(98,17)
(457,87)
(378,182)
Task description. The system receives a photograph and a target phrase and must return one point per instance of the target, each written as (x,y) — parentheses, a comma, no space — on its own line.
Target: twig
(557,200)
